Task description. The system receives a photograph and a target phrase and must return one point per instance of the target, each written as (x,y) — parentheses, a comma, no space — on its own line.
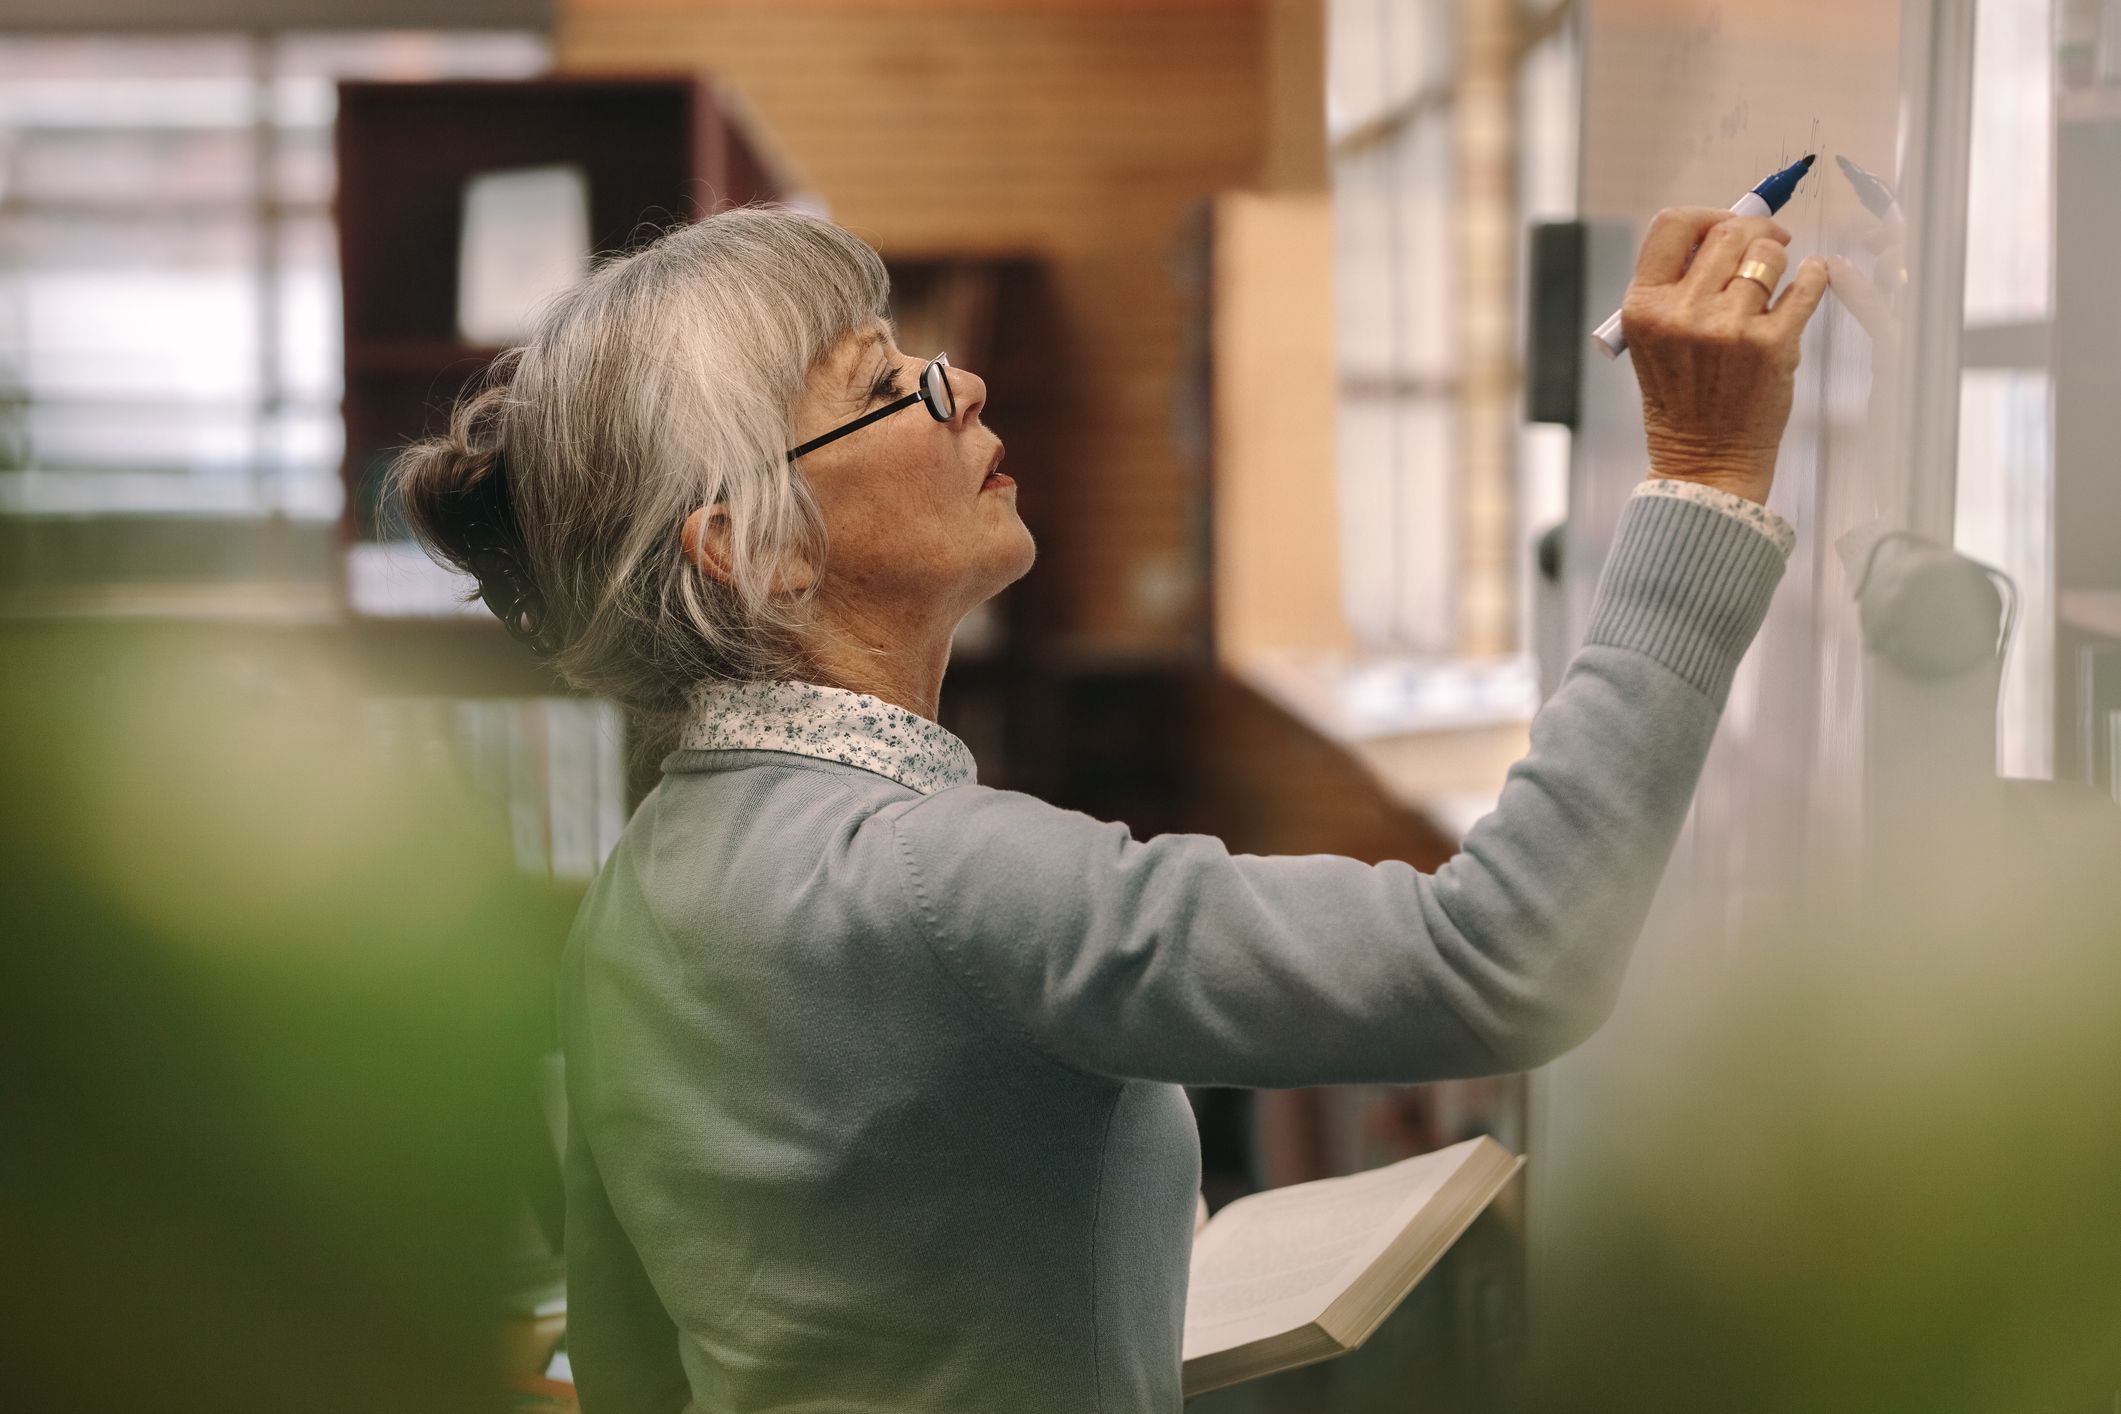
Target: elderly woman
(874,1072)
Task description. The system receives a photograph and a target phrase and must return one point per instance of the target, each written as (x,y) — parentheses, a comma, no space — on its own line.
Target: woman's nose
(970,391)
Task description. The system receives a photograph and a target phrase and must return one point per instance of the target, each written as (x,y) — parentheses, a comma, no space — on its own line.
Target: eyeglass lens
(942,399)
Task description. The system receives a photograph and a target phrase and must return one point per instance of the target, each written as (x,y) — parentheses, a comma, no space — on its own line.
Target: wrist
(1750,475)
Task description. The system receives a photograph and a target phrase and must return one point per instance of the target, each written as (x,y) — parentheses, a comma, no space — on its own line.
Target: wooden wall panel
(1277,511)
(1079,131)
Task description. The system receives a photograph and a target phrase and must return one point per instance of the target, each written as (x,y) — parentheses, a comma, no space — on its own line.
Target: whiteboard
(1691,102)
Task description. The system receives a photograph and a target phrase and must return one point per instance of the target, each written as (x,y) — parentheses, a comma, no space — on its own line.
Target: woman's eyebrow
(861,380)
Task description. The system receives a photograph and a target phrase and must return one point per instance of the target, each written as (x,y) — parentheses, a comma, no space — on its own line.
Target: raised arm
(1173,960)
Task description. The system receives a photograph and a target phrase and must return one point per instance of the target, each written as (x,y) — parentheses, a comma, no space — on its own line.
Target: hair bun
(452,493)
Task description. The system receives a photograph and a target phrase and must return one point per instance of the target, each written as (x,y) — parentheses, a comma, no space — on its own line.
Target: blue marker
(1764,200)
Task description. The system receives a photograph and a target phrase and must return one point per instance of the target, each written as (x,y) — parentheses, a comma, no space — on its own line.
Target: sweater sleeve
(1172,959)
(1779,532)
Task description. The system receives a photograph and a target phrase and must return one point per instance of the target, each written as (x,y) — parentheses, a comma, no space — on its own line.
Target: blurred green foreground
(1870,1160)
(270,1008)
(272,1001)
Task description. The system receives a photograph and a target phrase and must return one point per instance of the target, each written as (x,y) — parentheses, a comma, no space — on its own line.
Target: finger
(1673,234)
(1794,309)
(1717,260)
(1752,286)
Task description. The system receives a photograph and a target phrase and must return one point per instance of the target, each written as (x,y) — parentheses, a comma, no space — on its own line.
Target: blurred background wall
(1085,134)
(179,16)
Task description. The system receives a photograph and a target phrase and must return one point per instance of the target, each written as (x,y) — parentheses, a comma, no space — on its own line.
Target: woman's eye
(886,386)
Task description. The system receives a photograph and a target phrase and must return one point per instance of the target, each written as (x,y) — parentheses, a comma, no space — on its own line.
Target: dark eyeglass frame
(942,406)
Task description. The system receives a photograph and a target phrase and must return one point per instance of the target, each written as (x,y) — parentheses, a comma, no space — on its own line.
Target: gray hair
(663,382)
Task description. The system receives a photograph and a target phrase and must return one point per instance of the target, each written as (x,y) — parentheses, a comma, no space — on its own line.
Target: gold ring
(1760,273)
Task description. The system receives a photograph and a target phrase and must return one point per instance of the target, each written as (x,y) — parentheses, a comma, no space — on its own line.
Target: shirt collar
(828,724)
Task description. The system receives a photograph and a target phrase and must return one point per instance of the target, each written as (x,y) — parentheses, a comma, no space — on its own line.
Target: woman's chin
(1027,552)
(1012,559)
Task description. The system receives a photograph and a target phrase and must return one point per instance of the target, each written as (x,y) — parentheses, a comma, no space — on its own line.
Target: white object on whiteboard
(526,238)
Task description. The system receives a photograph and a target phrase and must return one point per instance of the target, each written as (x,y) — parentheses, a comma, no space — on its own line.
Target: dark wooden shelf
(368,357)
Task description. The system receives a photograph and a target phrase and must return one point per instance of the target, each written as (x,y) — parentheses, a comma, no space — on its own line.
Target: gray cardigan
(875,1073)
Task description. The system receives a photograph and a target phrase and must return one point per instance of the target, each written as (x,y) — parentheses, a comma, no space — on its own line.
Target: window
(1450,123)
(1390,104)
(169,303)
(170,339)
(2004,514)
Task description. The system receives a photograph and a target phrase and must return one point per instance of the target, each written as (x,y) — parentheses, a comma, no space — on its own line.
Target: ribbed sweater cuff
(1686,586)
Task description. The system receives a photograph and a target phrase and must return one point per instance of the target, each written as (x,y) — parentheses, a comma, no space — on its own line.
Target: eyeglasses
(934,390)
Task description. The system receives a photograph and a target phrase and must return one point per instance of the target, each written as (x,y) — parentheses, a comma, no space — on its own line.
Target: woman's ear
(706,539)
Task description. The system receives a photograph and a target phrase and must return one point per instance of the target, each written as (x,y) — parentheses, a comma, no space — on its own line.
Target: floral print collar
(1774,527)
(828,724)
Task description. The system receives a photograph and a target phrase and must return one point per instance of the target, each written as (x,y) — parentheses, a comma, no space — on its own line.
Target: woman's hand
(1716,364)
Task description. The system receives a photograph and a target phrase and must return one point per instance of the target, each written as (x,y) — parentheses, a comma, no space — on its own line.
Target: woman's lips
(995,476)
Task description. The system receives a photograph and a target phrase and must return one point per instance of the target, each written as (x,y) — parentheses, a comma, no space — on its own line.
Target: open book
(1304,1273)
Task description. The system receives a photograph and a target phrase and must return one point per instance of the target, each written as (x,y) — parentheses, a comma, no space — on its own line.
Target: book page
(1273,1261)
